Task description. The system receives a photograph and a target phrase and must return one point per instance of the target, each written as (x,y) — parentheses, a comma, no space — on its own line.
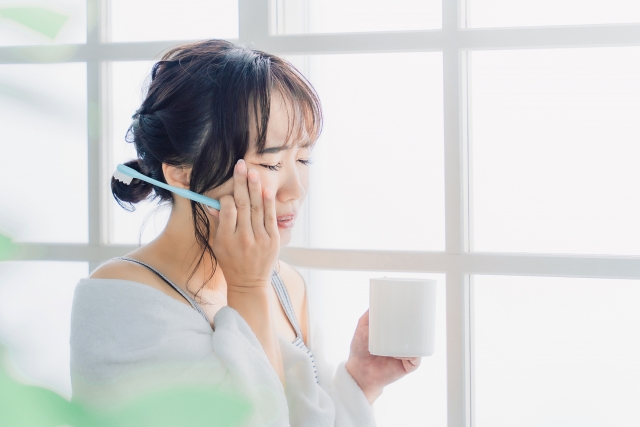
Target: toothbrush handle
(187,194)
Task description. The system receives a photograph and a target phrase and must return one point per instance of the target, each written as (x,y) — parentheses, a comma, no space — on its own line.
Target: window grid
(456,261)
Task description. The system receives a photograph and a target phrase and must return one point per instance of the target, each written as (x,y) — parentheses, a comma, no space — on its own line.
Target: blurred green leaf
(193,407)
(30,406)
(6,247)
(45,21)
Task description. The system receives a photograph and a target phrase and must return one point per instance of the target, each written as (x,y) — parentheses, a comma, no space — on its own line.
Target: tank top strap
(283,296)
(186,296)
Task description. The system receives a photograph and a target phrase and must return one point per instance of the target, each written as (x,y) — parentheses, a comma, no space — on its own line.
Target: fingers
(213,211)
(364,319)
(255,195)
(270,218)
(412,360)
(409,364)
(252,213)
(227,216)
(412,364)
(241,197)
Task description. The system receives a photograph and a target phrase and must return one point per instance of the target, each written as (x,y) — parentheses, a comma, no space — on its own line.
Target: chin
(285,237)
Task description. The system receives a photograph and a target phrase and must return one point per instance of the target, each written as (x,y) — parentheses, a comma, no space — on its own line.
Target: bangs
(301,102)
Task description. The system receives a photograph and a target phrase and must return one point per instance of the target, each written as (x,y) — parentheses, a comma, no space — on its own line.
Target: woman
(208,301)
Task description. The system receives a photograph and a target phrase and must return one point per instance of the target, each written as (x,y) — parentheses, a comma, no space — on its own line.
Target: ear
(176,176)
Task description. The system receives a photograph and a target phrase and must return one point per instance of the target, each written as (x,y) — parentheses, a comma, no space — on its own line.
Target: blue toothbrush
(126,174)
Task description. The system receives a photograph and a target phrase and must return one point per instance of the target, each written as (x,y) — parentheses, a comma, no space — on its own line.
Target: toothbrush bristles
(122,177)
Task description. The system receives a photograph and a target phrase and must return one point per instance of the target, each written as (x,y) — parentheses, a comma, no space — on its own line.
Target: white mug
(402,317)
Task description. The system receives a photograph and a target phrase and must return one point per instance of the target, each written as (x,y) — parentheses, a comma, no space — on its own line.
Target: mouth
(286,221)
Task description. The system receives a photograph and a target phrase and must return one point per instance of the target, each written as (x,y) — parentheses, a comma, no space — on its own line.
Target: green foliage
(29,406)
(6,247)
(181,407)
(44,21)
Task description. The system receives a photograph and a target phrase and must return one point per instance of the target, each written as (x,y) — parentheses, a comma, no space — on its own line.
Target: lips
(286,221)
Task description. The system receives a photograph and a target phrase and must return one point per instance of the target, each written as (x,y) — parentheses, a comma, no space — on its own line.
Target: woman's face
(283,171)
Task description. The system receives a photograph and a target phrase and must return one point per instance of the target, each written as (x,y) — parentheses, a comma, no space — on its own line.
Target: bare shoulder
(126,270)
(117,269)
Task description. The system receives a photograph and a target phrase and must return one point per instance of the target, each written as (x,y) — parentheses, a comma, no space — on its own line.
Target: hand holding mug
(373,373)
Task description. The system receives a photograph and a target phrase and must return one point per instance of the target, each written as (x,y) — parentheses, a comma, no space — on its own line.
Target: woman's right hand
(247,241)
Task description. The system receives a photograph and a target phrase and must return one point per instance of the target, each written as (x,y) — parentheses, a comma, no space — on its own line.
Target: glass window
(339,298)
(340,16)
(555,351)
(149,20)
(377,178)
(554,150)
(42,22)
(35,315)
(43,129)
(128,85)
(519,13)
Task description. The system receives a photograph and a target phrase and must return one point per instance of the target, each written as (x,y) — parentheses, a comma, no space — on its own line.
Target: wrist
(255,289)
(250,302)
(371,393)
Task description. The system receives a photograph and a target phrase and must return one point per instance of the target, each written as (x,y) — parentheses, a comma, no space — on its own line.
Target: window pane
(516,13)
(339,298)
(555,351)
(129,80)
(554,139)
(43,166)
(337,16)
(35,316)
(377,181)
(148,20)
(42,22)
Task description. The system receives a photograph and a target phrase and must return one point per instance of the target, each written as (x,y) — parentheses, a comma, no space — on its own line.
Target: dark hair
(197,112)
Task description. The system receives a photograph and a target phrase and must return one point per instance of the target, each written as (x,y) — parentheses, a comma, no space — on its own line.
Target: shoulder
(116,269)
(127,270)
(124,270)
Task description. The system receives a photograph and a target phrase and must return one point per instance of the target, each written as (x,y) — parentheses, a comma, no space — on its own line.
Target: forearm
(253,304)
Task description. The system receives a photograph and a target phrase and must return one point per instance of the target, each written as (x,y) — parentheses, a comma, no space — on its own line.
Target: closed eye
(272,167)
(278,166)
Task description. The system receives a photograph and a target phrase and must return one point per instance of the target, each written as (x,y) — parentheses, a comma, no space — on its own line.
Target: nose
(292,185)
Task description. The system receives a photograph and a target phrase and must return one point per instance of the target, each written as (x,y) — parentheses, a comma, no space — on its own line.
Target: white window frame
(457,261)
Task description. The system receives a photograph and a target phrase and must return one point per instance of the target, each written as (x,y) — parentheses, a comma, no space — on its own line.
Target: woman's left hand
(373,373)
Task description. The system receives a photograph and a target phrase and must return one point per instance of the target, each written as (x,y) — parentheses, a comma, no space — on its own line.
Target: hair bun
(136,191)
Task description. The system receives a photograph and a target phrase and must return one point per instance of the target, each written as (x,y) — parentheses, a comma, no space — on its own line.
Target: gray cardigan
(128,338)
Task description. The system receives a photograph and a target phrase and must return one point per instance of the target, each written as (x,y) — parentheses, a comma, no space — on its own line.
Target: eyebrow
(272,150)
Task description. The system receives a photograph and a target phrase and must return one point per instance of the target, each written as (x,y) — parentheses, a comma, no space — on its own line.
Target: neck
(178,251)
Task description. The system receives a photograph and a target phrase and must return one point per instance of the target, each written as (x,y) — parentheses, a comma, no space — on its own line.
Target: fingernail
(240,160)
(253,175)
(241,167)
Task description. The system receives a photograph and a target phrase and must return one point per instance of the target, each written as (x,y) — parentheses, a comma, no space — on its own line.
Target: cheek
(304,176)
(267,180)
(226,188)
